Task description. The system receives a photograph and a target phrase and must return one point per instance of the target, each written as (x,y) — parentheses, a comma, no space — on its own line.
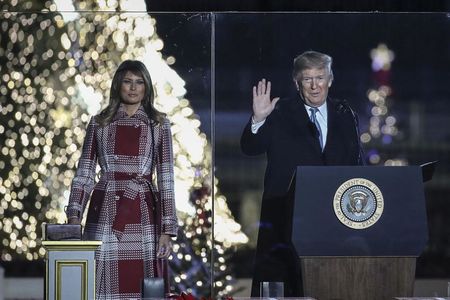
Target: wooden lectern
(358,231)
(70,270)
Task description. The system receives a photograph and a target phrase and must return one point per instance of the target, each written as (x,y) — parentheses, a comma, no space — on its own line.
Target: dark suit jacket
(289,139)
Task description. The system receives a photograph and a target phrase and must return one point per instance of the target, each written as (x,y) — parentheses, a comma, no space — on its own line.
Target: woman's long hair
(137,68)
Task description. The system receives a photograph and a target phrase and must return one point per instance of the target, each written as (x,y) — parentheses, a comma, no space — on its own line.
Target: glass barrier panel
(58,63)
(391,70)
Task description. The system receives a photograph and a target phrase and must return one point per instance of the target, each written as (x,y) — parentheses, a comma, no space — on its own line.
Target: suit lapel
(301,124)
(299,116)
(334,135)
(331,123)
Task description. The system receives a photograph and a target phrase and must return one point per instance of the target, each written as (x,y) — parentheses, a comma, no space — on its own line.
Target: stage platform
(33,289)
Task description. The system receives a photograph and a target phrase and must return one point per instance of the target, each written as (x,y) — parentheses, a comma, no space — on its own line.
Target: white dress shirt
(322,118)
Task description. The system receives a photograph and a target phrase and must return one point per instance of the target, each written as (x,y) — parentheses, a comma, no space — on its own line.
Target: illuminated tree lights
(382,125)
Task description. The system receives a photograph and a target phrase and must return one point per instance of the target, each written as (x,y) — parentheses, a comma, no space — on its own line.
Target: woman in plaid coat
(134,218)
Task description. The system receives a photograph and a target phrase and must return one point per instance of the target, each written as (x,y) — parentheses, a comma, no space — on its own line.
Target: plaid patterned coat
(126,210)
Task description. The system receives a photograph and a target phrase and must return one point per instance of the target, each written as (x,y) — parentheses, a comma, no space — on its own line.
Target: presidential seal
(358,203)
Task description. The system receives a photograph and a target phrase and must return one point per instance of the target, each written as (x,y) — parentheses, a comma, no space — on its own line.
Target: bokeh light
(382,128)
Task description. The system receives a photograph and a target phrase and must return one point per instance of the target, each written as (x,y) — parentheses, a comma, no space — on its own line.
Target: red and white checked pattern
(122,211)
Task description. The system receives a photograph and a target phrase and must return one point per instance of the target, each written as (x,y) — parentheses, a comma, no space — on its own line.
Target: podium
(70,270)
(358,230)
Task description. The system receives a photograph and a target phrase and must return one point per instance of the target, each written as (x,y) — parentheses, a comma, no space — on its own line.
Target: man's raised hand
(262,105)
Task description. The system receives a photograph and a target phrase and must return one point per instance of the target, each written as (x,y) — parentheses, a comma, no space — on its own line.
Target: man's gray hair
(312,59)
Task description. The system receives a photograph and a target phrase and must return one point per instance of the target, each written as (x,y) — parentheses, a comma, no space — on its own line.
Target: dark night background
(250,45)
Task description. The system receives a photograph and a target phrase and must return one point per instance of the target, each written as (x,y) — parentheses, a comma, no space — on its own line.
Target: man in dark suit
(310,129)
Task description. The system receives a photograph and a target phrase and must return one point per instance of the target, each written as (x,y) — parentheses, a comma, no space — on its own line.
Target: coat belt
(133,187)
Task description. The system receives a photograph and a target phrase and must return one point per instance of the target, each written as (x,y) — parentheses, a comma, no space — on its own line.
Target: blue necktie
(313,111)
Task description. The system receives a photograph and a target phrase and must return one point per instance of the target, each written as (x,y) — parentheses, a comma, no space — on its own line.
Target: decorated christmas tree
(383,128)
(56,71)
